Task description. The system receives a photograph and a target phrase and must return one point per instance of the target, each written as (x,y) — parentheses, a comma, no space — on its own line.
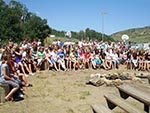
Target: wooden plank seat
(114,100)
(99,108)
(142,87)
(136,93)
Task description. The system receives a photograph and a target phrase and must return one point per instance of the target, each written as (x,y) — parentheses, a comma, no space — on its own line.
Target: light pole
(23,17)
(103,13)
(22,23)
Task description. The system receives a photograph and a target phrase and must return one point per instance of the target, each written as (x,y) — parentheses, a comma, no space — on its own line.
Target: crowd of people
(18,61)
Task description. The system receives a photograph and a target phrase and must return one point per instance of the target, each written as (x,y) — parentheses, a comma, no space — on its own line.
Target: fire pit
(114,79)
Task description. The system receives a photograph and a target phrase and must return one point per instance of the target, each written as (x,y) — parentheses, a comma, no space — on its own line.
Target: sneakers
(32,74)
(26,75)
(21,95)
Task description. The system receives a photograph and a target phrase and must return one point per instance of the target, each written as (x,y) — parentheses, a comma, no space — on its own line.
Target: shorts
(9,82)
(115,62)
(98,61)
(52,61)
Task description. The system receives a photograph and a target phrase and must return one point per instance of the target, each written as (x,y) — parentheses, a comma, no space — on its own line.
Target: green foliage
(9,22)
(58,33)
(83,94)
(35,27)
(88,34)
(17,23)
(135,34)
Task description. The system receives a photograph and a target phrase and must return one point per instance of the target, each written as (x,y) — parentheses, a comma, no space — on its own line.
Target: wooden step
(99,108)
(139,94)
(114,100)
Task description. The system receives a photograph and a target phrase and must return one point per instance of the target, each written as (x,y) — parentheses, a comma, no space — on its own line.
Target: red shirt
(87,55)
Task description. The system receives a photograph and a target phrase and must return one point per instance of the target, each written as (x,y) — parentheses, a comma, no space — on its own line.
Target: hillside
(135,34)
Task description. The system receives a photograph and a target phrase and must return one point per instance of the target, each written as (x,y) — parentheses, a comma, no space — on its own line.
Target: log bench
(99,108)
(135,92)
(114,101)
(4,89)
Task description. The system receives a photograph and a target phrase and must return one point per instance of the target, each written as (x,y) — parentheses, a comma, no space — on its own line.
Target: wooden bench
(141,87)
(136,93)
(4,89)
(114,100)
(99,108)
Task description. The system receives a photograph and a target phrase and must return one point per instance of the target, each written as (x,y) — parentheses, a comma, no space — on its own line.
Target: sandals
(29,85)
(10,99)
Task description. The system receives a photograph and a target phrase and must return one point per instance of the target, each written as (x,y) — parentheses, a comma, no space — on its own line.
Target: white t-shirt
(54,55)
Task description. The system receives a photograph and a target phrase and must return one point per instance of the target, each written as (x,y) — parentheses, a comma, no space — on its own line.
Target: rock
(98,75)
(92,75)
(96,82)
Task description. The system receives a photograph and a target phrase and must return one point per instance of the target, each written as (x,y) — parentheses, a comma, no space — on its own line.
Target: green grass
(84,94)
(69,110)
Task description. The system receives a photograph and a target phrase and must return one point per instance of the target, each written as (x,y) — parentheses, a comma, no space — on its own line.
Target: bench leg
(147,108)
(123,94)
(94,111)
(110,105)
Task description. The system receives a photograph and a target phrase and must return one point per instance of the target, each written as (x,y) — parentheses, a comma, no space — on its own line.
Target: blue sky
(76,15)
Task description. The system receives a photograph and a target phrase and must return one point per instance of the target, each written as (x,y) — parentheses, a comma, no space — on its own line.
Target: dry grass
(61,92)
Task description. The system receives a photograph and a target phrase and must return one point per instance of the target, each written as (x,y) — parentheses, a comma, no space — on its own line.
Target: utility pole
(102,14)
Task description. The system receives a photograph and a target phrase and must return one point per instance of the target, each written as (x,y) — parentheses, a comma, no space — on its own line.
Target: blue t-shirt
(61,54)
(61,44)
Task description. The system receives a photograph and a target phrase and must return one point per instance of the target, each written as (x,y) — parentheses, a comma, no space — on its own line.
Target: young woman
(14,71)
(7,78)
(61,59)
(147,60)
(40,56)
(108,57)
(129,60)
(87,57)
(53,58)
(73,60)
(19,59)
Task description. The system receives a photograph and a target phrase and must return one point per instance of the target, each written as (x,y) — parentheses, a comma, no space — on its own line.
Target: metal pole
(102,26)
(103,13)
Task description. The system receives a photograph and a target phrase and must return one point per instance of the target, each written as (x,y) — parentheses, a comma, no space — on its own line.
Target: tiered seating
(138,92)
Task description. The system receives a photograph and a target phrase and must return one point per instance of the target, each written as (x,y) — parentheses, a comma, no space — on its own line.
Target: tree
(17,23)
(35,27)
(82,35)
(10,20)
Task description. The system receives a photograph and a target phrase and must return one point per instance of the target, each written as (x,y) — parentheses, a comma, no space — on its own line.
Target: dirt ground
(64,92)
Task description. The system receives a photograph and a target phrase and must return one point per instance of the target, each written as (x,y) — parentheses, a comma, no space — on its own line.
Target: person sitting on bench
(7,78)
